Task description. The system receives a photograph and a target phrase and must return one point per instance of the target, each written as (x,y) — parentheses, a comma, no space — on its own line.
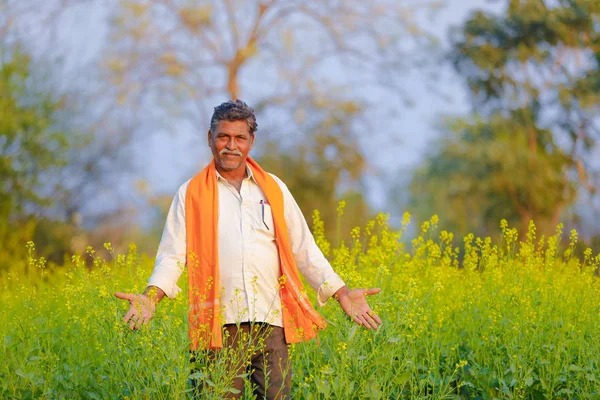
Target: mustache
(235,152)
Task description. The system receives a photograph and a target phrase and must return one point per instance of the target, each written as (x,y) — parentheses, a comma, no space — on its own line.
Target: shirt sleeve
(310,260)
(170,258)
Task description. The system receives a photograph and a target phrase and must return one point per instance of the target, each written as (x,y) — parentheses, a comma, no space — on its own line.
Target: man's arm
(168,267)
(318,271)
(171,254)
(154,293)
(310,260)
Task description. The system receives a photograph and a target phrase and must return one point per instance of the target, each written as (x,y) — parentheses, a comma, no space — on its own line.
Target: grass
(508,320)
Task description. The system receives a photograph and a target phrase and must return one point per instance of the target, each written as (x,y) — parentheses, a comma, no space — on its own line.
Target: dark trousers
(257,351)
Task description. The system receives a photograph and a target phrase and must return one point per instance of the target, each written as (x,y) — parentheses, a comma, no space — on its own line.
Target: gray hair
(234,111)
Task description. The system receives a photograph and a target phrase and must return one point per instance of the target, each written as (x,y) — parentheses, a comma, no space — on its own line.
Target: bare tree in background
(327,68)
(184,55)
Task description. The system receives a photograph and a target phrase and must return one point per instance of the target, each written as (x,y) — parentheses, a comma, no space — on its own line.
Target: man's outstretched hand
(354,303)
(141,309)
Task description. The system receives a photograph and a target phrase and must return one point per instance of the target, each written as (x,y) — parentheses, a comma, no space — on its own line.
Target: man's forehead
(237,127)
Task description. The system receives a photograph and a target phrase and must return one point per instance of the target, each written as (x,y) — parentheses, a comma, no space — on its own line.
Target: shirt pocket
(264,226)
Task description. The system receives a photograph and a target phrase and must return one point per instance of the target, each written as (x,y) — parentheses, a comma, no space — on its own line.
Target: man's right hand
(141,309)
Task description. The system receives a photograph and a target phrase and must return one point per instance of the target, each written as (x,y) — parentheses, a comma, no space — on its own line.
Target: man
(244,239)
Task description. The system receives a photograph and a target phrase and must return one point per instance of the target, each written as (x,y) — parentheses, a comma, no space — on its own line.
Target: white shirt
(248,256)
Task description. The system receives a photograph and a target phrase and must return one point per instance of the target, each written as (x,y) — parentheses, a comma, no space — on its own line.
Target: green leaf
(197,375)
(402,378)
(373,390)
(352,332)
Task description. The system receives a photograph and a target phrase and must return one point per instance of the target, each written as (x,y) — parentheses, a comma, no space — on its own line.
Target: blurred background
(472,110)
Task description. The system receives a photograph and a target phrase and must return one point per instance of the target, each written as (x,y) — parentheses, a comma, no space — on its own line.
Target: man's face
(230,144)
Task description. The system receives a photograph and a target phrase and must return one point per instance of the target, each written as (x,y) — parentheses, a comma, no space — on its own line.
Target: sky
(416,126)
(83,35)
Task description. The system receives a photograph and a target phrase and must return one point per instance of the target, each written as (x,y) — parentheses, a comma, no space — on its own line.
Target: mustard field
(463,318)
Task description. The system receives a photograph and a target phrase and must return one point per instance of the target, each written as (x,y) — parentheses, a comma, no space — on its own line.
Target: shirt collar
(248,172)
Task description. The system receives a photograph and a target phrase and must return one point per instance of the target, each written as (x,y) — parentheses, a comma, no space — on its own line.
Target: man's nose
(231,145)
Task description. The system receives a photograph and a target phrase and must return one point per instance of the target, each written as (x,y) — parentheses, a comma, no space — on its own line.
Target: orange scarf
(300,320)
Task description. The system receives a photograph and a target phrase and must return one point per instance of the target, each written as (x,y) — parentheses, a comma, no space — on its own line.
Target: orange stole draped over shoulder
(300,320)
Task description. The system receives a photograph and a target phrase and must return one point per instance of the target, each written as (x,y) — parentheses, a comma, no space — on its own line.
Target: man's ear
(209,137)
(251,140)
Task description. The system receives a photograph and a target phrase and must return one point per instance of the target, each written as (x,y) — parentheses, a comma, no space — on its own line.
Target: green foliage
(534,52)
(533,75)
(29,146)
(494,169)
(30,150)
(518,320)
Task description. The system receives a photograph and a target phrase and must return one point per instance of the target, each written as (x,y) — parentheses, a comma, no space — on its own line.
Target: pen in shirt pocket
(262,206)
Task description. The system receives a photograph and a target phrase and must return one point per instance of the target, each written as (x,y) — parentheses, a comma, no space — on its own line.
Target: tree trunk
(232,80)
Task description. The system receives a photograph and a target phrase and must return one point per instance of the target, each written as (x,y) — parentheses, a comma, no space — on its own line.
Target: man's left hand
(354,303)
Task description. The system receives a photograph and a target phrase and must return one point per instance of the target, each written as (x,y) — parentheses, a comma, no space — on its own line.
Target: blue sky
(415,126)
(79,43)
(83,35)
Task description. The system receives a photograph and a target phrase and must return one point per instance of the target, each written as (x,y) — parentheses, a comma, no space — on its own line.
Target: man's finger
(363,321)
(129,314)
(370,321)
(125,296)
(131,324)
(375,317)
(372,291)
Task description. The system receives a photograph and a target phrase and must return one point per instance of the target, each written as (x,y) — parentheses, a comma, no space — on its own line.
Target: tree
(304,65)
(31,149)
(191,54)
(533,75)
(169,61)
(486,171)
(88,187)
